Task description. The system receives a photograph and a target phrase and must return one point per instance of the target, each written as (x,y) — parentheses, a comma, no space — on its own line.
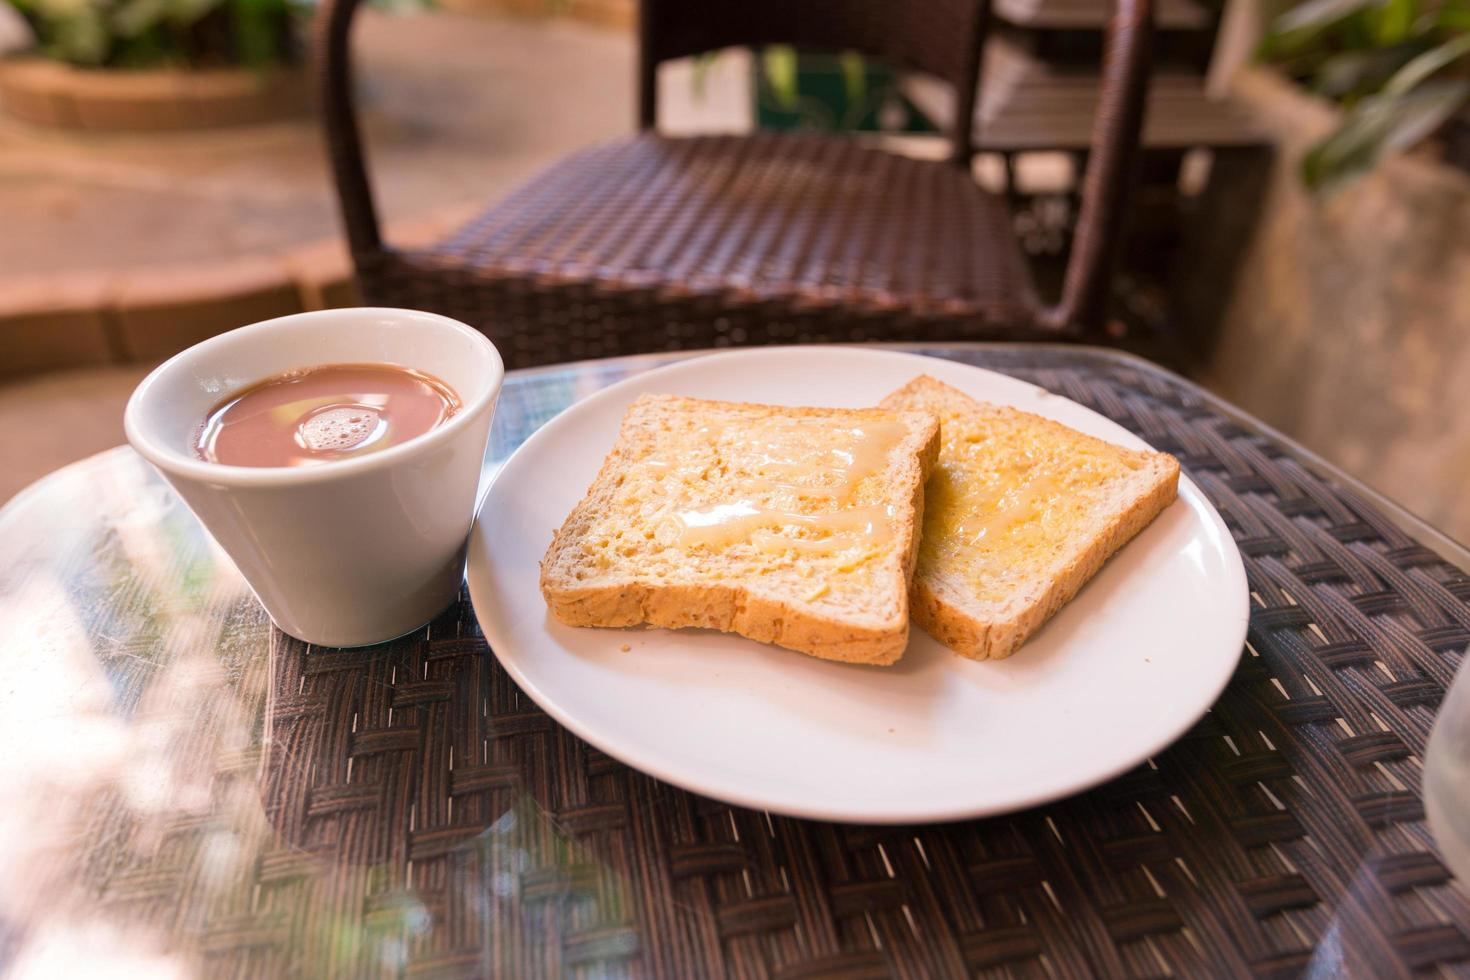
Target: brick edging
(80,319)
(618,14)
(49,93)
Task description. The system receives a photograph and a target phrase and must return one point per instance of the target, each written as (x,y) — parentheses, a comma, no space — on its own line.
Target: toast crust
(631,599)
(730,609)
(945,610)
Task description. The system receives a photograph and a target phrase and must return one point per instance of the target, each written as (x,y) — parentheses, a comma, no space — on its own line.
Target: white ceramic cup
(346,553)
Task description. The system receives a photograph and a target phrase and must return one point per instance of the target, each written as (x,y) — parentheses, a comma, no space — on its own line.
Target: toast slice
(793,526)
(1021,511)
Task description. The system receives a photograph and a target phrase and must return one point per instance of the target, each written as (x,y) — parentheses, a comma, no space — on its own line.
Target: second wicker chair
(655,243)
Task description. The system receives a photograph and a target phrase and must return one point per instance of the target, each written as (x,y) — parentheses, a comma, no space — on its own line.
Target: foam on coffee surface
(325,413)
(339,428)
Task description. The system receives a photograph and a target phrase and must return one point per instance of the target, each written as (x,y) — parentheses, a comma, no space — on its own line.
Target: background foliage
(146,33)
(1401,68)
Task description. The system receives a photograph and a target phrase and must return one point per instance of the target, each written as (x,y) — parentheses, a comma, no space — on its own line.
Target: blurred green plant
(829,91)
(147,33)
(1400,69)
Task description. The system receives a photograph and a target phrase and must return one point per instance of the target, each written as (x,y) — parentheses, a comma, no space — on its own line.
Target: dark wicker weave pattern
(726,240)
(656,243)
(423,818)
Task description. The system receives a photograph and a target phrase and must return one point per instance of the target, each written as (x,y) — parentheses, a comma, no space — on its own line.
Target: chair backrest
(940,37)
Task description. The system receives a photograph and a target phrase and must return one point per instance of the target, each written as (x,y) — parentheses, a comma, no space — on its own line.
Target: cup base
(371,643)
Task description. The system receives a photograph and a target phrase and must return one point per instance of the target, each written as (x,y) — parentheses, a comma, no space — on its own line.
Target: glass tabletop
(190,792)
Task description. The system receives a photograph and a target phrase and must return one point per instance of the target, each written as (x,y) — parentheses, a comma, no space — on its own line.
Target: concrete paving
(457,108)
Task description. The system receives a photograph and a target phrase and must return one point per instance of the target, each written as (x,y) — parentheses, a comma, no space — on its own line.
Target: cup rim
(165,457)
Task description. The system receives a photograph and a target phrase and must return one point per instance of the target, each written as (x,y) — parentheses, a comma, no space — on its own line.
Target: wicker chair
(653,243)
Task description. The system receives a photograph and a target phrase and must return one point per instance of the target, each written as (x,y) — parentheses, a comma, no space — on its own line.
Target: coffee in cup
(323,414)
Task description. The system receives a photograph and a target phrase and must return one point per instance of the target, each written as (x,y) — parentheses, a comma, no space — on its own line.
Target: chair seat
(791,220)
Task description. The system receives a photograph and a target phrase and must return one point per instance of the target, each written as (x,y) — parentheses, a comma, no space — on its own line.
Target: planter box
(1348,324)
(49,93)
(620,14)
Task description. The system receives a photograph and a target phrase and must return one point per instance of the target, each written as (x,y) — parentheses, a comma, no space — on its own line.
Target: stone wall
(1347,324)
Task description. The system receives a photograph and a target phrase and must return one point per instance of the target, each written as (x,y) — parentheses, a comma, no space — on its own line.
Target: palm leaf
(1392,21)
(778,64)
(1418,71)
(854,76)
(1309,19)
(1380,125)
(1359,72)
(1455,15)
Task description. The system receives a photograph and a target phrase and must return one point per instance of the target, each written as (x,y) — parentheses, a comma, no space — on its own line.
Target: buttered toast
(1020,512)
(793,526)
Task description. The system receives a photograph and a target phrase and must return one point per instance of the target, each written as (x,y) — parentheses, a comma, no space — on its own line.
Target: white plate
(1119,673)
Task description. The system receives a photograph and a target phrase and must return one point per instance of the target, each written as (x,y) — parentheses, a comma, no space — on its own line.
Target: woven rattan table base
(407,811)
